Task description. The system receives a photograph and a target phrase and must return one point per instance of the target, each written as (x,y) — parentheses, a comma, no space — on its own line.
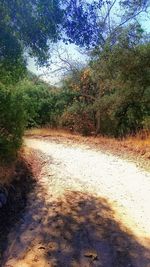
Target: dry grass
(7,172)
(135,148)
(47,132)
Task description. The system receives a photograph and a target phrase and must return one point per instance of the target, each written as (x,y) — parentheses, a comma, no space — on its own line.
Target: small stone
(91,254)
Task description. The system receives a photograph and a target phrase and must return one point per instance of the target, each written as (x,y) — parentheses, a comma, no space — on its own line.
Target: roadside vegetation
(108,97)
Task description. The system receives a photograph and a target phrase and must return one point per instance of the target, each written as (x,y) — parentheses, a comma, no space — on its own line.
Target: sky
(71,53)
(58,68)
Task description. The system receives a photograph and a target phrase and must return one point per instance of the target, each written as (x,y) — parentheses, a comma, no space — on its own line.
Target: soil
(87,208)
(17,191)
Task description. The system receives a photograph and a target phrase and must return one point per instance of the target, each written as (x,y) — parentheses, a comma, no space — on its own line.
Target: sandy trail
(88,209)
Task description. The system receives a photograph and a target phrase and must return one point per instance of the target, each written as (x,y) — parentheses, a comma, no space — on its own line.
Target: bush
(12,122)
(146,123)
(78,118)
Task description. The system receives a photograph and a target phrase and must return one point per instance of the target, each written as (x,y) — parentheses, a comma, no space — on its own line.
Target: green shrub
(146,123)
(12,122)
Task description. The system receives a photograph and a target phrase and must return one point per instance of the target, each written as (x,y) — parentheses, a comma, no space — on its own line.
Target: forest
(109,96)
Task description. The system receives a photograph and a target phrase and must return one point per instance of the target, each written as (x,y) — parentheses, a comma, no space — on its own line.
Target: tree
(32,25)
(95,23)
(12,122)
(123,88)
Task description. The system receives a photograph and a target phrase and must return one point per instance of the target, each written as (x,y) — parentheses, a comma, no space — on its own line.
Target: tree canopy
(109,95)
(32,25)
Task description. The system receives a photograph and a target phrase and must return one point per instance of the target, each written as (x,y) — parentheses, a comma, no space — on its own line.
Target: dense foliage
(44,104)
(109,96)
(12,121)
(123,74)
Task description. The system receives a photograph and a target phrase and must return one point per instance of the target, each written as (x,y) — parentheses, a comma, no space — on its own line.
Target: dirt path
(88,209)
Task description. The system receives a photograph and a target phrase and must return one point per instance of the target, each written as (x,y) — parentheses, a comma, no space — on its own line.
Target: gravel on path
(88,209)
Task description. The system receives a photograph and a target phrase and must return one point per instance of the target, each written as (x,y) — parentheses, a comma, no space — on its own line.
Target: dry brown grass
(7,171)
(135,148)
(47,132)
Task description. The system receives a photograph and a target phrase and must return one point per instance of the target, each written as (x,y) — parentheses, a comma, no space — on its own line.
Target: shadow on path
(18,191)
(76,230)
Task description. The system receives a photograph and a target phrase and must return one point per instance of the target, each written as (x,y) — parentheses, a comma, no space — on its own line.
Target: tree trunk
(98,122)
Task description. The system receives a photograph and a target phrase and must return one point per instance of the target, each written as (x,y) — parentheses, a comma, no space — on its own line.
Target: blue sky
(51,74)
